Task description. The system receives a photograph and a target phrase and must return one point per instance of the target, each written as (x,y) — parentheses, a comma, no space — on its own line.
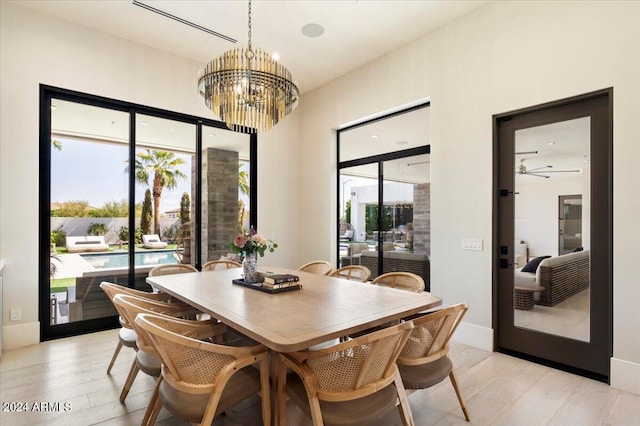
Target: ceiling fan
(538,171)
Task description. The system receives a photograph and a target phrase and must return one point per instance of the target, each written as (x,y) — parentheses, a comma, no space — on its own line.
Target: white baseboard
(19,335)
(475,336)
(625,375)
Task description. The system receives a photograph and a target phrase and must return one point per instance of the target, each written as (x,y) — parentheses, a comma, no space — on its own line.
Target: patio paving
(70,266)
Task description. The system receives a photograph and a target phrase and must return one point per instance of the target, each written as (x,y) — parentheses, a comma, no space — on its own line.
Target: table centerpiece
(249,244)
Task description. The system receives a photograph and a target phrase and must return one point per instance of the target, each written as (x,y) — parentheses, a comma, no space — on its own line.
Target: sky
(96,172)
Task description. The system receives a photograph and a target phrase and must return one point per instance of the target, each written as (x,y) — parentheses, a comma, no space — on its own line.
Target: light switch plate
(472,244)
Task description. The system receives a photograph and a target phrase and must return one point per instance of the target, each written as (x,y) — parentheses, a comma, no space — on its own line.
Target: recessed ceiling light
(374,136)
(312,30)
(551,143)
(212,134)
(144,123)
(402,143)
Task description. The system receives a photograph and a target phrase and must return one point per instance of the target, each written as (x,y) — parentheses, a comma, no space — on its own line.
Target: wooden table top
(325,308)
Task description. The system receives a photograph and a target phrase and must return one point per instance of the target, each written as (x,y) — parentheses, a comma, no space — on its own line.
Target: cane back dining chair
(126,334)
(354,382)
(171,268)
(353,273)
(177,268)
(200,379)
(321,267)
(401,280)
(147,359)
(212,265)
(424,360)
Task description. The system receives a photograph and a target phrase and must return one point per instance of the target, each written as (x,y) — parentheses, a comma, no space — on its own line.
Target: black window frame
(379,159)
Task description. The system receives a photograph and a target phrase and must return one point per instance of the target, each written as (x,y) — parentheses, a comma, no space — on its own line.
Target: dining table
(322,309)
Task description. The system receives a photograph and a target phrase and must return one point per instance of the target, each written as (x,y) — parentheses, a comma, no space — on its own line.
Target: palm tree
(243,185)
(243,181)
(164,166)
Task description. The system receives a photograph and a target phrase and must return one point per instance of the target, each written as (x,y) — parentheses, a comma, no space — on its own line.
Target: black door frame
(47,94)
(591,359)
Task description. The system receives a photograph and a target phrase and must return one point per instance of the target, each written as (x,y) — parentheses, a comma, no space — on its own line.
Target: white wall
(35,49)
(501,57)
(536,214)
(504,56)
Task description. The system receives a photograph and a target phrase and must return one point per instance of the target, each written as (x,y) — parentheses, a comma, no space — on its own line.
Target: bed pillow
(533,264)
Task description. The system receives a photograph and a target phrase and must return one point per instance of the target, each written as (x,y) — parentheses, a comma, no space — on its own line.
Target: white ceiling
(563,146)
(355,32)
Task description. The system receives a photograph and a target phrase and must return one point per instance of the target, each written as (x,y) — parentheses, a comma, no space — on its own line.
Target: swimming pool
(121,260)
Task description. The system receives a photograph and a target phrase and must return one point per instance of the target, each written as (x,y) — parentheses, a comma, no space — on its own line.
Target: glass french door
(554,258)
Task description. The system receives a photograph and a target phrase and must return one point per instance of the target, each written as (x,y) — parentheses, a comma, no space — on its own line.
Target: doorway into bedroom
(553,222)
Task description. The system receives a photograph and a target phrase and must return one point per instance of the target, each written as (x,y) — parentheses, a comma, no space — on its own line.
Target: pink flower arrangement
(252,242)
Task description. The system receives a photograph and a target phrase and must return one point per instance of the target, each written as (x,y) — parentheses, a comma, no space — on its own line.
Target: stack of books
(274,281)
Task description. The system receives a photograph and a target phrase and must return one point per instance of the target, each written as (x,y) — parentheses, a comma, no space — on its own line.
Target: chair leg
(281,394)
(115,355)
(316,413)
(404,408)
(133,372)
(152,402)
(210,410)
(454,382)
(155,411)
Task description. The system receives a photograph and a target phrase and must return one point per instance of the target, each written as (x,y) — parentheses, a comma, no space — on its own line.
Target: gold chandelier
(248,89)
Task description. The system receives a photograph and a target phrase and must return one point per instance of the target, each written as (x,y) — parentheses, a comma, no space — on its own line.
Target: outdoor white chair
(153,241)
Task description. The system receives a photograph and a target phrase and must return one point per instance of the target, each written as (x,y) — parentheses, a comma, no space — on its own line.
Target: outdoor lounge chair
(152,241)
(86,243)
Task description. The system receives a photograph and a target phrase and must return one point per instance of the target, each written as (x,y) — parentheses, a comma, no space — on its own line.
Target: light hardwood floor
(498,389)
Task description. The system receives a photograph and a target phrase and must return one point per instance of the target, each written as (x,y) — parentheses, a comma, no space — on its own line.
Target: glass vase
(250,268)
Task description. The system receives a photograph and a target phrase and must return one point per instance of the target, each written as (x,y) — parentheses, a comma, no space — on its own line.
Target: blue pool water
(121,260)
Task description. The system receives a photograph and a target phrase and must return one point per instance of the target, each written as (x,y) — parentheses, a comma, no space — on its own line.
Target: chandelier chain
(249,15)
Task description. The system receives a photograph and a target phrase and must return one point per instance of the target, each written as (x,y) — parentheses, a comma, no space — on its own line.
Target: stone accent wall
(219,202)
(422,218)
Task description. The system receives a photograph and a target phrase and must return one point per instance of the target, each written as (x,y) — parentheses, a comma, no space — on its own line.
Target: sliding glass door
(89,207)
(383,194)
(226,189)
(125,188)
(164,163)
